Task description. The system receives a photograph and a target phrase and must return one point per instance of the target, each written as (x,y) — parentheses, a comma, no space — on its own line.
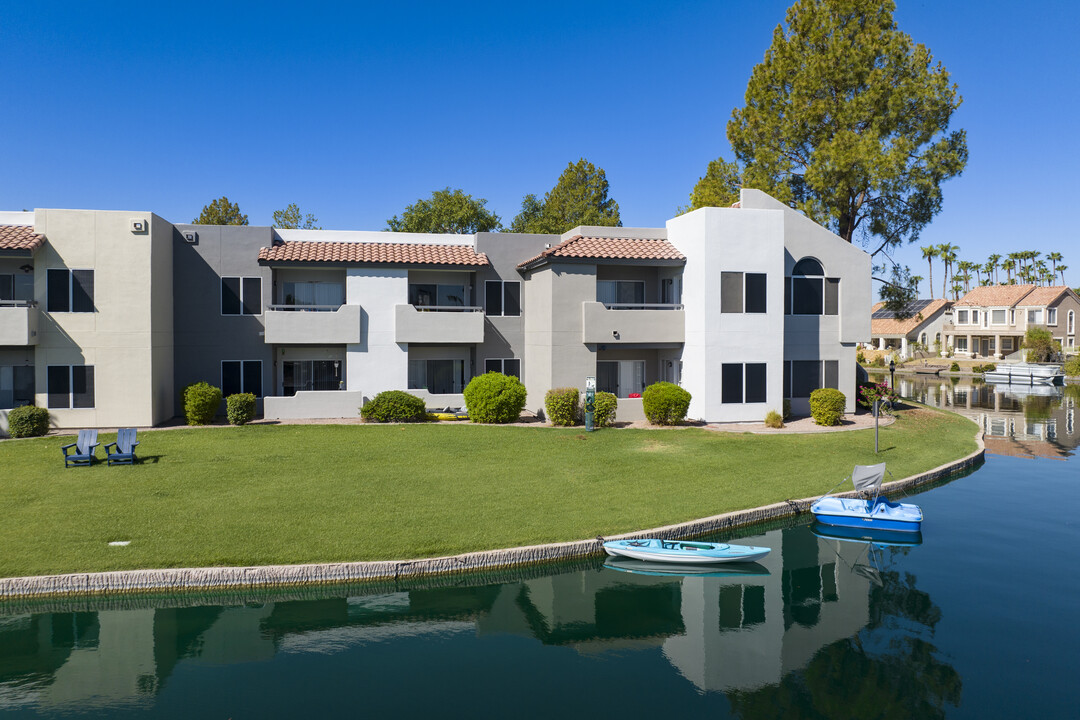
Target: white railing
(18,303)
(642,306)
(305,308)
(447,308)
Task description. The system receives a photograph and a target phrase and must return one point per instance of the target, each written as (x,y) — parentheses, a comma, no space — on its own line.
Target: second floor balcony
(18,323)
(438,324)
(627,323)
(313,324)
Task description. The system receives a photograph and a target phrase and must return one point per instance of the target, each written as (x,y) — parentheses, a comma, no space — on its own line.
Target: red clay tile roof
(372,253)
(595,248)
(1043,296)
(892,326)
(20,237)
(996,295)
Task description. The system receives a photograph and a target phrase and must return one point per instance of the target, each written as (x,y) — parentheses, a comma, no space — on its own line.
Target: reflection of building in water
(722,633)
(1021,421)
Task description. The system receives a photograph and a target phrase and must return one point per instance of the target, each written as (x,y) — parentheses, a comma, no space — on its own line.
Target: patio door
(621,377)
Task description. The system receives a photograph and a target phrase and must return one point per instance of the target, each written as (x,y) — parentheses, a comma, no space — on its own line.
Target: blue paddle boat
(683,551)
(875,512)
(883,538)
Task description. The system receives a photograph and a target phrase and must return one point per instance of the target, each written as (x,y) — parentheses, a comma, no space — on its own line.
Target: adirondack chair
(84,449)
(125,447)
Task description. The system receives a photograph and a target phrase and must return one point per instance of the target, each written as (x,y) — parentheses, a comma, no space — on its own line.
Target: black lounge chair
(84,449)
(125,447)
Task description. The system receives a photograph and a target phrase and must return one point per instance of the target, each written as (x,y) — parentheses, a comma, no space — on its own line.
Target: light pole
(892,369)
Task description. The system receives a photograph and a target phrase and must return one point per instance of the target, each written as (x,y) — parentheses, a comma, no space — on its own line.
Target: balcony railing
(442,324)
(624,323)
(642,306)
(447,308)
(18,322)
(305,308)
(312,324)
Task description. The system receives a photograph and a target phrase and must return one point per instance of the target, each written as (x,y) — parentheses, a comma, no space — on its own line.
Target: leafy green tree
(720,186)
(221,212)
(292,218)
(580,197)
(847,120)
(1039,344)
(446,211)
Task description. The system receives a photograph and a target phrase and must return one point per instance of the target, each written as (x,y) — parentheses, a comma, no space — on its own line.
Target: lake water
(979,620)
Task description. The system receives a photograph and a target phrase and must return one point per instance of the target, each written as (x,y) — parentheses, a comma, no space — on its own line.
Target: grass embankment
(261,495)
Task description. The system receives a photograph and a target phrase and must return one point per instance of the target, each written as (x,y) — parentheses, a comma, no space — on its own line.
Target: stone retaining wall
(226,579)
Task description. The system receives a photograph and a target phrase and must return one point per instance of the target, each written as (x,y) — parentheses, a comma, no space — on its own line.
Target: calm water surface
(979,620)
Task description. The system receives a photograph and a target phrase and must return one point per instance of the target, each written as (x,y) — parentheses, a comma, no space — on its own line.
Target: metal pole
(877,413)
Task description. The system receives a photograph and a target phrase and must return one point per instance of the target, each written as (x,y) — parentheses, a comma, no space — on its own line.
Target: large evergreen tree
(719,187)
(446,211)
(847,120)
(580,197)
(221,212)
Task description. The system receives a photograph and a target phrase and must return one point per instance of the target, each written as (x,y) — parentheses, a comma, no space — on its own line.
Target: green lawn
(321,493)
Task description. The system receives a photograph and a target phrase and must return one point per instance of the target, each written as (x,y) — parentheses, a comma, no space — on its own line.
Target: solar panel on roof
(910,310)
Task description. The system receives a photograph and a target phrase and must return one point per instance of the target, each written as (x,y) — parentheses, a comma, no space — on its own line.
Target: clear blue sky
(355,110)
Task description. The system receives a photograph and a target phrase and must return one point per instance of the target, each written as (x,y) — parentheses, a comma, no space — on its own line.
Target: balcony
(438,324)
(18,323)
(313,324)
(626,323)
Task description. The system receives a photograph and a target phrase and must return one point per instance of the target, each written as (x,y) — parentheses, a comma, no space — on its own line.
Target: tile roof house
(990,321)
(745,307)
(921,323)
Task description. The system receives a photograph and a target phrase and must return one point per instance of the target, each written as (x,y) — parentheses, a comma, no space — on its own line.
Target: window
(70,386)
(1072,321)
(506,366)
(1034,317)
(620,292)
(70,290)
(742,292)
(961,344)
(809,292)
(433,295)
(241,376)
(1051,316)
(1012,316)
(974,317)
(324,294)
(241,296)
(802,377)
(18,287)
(998,317)
(961,317)
(16,386)
(502,298)
(299,375)
(1006,344)
(742,383)
(439,377)
(621,377)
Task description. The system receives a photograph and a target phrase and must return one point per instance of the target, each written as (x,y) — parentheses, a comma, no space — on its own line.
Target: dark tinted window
(252,377)
(787,296)
(806,296)
(7,287)
(252,296)
(230,296)
(82,291)
(731,292)
(58,378)
(493,297)
(731,379)
(492,365)
(755,382)
(832,374)
(805,377)
(59,283)
(230,378)
(832,296)
(755,292)
(808,266)
(512,366)
(82,386)
(512,298)
(423,294)
(787,378)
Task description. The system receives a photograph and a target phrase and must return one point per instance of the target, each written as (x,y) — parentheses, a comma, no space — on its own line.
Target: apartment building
(106,316)
(990,321)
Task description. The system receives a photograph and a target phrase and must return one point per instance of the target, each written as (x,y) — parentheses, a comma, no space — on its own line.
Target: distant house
(922,323)
(990,321)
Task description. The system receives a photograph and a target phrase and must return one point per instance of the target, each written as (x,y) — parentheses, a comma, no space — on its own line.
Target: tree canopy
(292,218)
(720,186)
(580,197)
(446,211)
(847,120)
(221,212)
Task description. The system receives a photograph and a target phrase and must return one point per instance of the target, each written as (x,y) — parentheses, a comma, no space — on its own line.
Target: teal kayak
(684,551)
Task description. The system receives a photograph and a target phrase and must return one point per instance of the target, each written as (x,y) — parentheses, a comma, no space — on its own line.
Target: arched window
(1072,322)
(808,292)
(922,339)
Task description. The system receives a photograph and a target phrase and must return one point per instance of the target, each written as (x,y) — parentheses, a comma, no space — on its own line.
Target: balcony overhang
(632,324)
(438,325)
(312,325)
(18,324)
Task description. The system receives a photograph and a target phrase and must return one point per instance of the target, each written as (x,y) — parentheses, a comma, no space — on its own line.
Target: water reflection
(782,632)
(1017,420)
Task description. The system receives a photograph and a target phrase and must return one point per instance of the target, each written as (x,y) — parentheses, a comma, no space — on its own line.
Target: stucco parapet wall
(284,576)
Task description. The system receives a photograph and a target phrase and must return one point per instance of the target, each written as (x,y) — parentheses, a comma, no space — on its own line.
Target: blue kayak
(680,551)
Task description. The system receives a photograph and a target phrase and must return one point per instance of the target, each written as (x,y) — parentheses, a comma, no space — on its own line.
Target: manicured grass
(266,494)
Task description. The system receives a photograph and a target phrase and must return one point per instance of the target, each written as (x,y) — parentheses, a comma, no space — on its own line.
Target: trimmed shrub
(955,367)
(1072,366)
(665,403)
(988,367)
(494,398)
(28,421)
(774,420)
(240,408)
(394,406)
(606,406)
(201,402)
(827,406)
(562,406)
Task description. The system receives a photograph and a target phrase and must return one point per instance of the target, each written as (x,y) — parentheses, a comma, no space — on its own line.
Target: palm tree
(989,269)
(956,288)
(1061,269)
(929,253)
(978,271)
(1040,271)
(1054,257)
(992,265)
(1008,266)
(947,253)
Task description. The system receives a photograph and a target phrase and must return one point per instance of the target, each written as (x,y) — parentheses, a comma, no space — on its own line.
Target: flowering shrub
(870,392)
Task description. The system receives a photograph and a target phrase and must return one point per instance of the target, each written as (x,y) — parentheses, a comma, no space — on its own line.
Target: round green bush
(955,367)
(827,406)
(563,407)
(774,420)
(394,406)
(240,408)
(28,421)
(1072,366)
(606,406)
(665,403)
(201,403)
(494,398)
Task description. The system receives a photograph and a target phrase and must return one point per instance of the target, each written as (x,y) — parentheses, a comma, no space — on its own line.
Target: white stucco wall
(377,362)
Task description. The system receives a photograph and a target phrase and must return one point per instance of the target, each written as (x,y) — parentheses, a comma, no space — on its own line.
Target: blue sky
(355,110)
